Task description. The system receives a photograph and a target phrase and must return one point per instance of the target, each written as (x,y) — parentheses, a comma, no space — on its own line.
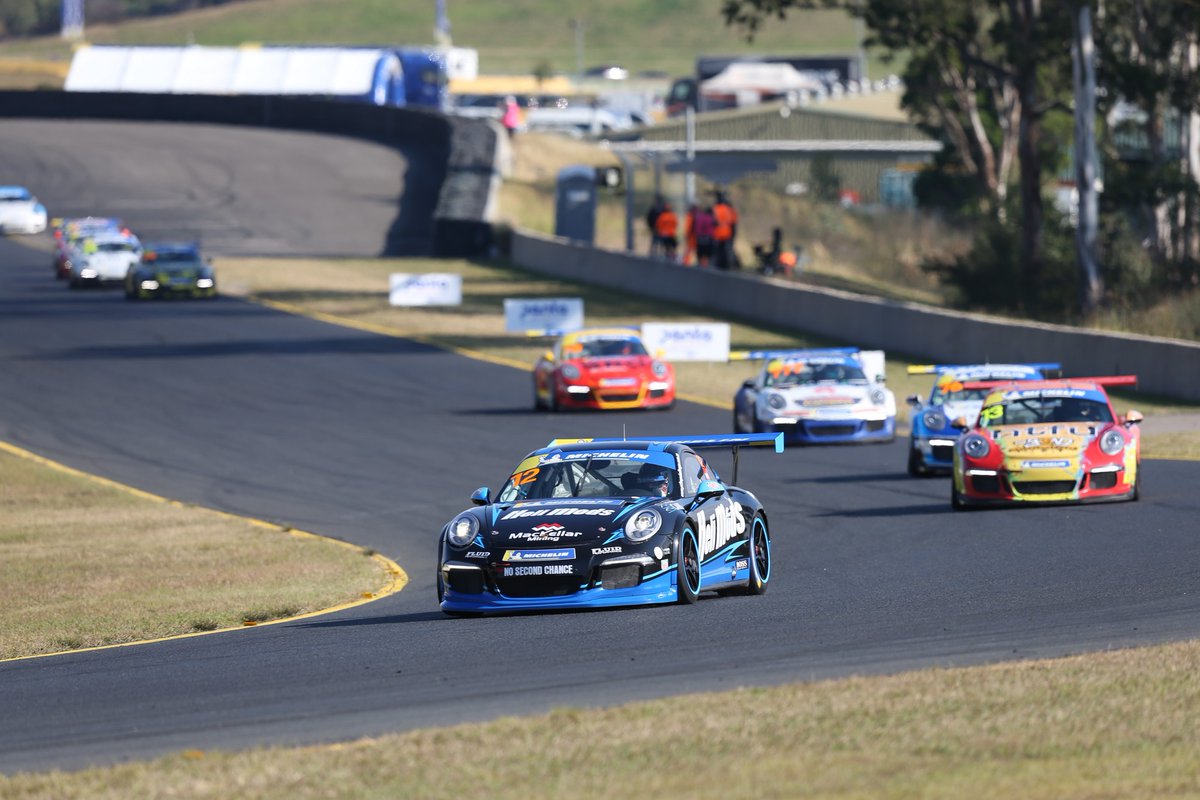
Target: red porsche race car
(1048,441)
(602,368)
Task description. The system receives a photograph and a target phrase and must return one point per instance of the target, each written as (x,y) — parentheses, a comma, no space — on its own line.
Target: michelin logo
(565,554)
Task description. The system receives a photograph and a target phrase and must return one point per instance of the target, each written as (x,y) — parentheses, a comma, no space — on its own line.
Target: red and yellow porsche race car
(602,368)
(1048,441)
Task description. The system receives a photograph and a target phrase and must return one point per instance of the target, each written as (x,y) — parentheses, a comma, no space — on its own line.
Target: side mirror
(548,356)
(913,400)
(710,488)
(1133,417)
(960,423)
(748,383)
(481,496)
(881,378)
(660,354)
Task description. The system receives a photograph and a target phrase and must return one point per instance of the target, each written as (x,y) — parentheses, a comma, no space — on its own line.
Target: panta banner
(687,341)
(429,289)
(525,315)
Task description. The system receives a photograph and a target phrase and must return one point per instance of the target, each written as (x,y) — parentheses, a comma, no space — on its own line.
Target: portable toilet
(575,204)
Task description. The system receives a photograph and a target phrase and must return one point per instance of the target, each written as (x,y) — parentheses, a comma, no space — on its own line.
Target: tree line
(42,17)
(996,82)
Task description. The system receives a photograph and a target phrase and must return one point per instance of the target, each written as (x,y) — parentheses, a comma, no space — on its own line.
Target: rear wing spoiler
(935,369)
(1104,380)
(735,441)
(815,352)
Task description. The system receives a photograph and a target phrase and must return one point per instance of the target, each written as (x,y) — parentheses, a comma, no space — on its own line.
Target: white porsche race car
(817,396)
(20,211)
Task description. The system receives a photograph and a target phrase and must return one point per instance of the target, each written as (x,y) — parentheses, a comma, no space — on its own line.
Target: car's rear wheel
(760,557)
(687,568)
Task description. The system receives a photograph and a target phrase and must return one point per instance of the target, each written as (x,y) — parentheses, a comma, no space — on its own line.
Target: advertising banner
(429,289)
(687,341)
(522,315)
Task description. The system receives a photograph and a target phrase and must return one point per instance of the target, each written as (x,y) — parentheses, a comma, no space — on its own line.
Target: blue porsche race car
(931,442)
(591,523)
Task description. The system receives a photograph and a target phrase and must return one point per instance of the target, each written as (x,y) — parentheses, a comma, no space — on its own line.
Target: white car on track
(104,257)
(819,396)
(20,211)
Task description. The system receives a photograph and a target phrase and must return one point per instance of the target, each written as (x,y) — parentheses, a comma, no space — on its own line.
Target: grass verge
(356,291)
(88,564)
(1116,724)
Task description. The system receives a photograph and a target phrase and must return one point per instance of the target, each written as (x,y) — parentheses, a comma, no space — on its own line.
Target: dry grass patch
(86,564)
(1118,724)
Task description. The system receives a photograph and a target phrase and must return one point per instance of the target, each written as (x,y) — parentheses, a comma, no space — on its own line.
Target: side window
(694,471)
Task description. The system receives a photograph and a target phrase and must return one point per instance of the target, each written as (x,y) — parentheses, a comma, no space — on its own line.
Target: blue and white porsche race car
(817,396)
(588,523)
(931,443)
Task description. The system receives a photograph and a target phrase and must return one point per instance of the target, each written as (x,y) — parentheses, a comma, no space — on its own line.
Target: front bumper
(834,431)
(1103,483)
(652,394)
(934,453)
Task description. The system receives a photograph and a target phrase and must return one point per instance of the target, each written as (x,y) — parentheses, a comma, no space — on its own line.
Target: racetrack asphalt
(379,440)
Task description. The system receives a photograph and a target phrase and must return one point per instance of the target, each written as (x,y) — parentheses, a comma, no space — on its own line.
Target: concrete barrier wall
(1164,366)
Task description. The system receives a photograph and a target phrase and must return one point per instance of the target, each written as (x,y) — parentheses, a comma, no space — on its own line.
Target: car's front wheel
(915,467)
(956,501)
(687,567)
(760,557)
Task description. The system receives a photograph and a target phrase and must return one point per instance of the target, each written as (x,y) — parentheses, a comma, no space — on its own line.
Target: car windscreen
(634,474)
(601,347)
(14,197)
(179,257)
(940,397)
(1041,410)
(801,373)
(115,247)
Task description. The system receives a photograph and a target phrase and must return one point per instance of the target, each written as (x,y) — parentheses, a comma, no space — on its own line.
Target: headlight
(462,530)
(934,420)
(658,368)
(570,371)
(976,446)
(877,396)
(776,401)
(204,283)
(643,525)
(1112,442)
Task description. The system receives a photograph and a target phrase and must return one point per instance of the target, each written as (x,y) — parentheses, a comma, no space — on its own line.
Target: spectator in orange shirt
(723,232)
(666,228)
(689,234)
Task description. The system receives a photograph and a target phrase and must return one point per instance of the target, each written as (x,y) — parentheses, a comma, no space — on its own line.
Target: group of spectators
(708,232)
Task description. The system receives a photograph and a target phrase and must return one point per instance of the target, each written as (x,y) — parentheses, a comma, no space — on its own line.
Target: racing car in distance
(931,441)
(1051,441)
(103,257)
(602,368)
(20,211)
(817,396)
(171,270)
(590,523)
(70,232)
